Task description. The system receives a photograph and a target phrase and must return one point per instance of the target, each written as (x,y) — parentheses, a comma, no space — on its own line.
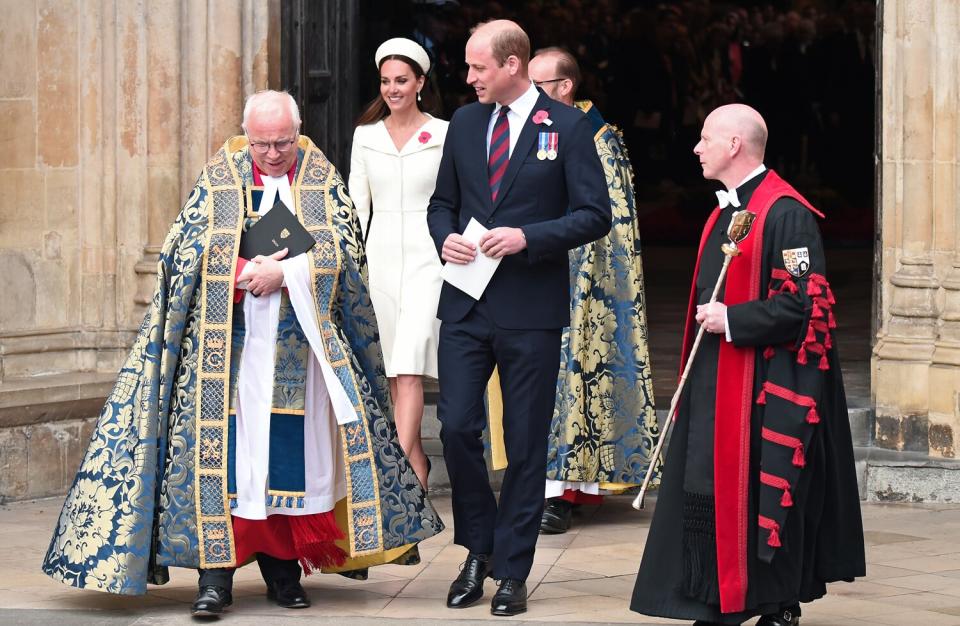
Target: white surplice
(326,402)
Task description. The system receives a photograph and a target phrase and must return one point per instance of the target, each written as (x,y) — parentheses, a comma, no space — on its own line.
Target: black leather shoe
(510,599)
(289,594)
(787,617)
(468,587)
(356,574)
(211,601)
(556,517)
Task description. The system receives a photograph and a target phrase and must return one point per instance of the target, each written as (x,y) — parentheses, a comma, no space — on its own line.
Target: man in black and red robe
(759,507)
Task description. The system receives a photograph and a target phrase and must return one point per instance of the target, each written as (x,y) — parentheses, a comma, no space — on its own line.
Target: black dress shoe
(288,593)
(787,617)
(211,601)
(510,599)
(356,574)
(468,587)
(556,516)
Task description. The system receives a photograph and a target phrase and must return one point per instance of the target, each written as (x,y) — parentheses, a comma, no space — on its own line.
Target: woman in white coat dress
(393,170)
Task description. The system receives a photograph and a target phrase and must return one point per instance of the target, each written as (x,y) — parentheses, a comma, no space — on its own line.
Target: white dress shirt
(517,116)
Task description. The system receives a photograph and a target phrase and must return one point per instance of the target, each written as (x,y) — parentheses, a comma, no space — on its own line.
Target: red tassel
(833,321)
(798,460)
(768,352)
(762,398)
(802,356)
(313,537)
(813,289)
(811,334)
(774,540)
(824,363)
(779,274)
(830,297)
(787,500)
(817,313)
(812,416)
(790,286)
(827,341)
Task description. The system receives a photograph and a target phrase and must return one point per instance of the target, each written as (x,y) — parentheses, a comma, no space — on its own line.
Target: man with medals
(534,211)
(604,426)
(758,507)
(251,419)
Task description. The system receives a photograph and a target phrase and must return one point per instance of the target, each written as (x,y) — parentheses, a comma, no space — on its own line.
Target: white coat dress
(402,261)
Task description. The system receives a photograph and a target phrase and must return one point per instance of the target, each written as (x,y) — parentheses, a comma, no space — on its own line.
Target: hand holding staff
(738,230)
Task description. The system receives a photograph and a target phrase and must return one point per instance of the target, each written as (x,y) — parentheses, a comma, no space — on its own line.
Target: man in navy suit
(526,168)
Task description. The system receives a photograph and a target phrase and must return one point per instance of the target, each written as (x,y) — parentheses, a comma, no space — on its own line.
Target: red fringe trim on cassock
(307,538)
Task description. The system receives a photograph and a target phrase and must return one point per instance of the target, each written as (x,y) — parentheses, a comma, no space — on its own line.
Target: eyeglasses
(280,145)
(541,83)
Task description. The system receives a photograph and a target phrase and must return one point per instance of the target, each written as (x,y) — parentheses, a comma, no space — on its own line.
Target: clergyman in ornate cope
(251,418)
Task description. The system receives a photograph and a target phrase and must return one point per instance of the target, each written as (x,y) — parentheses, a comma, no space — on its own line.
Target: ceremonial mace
(738,230)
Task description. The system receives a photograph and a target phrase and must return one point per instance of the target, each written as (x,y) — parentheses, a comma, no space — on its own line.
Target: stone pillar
(945,372)
(163,193)
(918,215)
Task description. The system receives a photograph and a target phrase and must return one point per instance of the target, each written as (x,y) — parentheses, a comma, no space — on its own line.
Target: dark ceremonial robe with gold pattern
(604,427)
(152,490)
(758,507)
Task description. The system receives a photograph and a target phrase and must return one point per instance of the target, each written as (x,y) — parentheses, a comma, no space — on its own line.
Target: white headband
(403,47)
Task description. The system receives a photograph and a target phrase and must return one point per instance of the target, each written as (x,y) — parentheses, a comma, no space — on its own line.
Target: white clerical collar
(760,169)
(272,187)
(730,197)
(523,105)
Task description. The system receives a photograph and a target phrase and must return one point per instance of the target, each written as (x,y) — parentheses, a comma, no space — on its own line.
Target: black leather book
(276,230)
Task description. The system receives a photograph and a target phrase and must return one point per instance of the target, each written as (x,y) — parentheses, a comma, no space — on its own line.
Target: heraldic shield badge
(797,261)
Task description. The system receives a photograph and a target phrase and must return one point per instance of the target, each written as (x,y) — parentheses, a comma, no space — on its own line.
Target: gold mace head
(737,231)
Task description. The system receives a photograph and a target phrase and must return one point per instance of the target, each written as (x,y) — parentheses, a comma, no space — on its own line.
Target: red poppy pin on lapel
(542,117)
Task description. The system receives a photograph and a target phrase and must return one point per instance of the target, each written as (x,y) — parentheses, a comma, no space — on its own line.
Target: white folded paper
(473,277)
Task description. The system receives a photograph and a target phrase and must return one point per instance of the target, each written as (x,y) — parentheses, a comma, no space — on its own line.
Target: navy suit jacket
(560,204)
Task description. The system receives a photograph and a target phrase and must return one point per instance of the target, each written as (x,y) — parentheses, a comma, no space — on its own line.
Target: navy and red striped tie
(499,152)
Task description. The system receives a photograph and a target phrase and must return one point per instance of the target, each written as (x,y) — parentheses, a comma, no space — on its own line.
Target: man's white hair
(270,101)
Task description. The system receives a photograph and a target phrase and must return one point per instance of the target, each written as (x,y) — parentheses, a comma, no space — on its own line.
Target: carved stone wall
(916,362)
(108,110)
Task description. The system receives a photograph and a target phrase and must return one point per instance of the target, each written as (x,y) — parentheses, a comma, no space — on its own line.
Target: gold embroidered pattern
(225,205)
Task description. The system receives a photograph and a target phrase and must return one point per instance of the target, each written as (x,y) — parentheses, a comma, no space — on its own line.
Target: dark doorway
(655,69)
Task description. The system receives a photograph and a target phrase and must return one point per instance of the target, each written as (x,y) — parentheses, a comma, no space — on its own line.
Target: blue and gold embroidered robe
(604,426)
(152,490)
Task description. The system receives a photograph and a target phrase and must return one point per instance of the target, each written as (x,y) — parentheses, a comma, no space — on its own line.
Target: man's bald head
(740,120)
(731,144)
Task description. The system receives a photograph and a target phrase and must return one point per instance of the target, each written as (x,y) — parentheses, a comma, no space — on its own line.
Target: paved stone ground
(584,576)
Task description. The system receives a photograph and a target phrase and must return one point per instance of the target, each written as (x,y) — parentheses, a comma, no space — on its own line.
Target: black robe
(821,537)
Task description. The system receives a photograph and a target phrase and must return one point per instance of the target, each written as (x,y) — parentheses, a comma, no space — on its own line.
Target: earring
(419,98)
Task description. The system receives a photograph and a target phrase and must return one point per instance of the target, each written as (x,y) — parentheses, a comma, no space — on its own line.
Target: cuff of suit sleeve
(726,326)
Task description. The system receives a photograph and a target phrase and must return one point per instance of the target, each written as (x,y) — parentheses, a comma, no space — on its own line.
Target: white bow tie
(726,198)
